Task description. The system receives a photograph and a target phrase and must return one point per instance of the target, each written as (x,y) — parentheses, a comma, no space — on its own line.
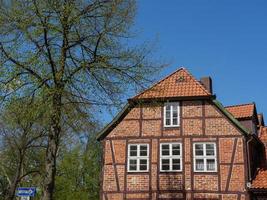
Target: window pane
(176,165)
(168,108)
(210,150)
(165,163)
(176,149)
(199,149)
(174,121)
(143,164)
(165,150)
(210,164)
(168,122)
(133,150)
(133,165)
(168,115)
(143,150)
(200,164)
(174,111)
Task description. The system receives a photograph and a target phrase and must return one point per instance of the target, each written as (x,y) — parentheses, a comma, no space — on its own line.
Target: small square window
(205,157)
(170,157)
(138,157)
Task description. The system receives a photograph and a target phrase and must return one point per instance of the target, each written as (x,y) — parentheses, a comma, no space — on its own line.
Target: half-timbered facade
(176,141)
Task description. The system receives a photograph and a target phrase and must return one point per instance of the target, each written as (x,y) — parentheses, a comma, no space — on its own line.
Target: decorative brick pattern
(224,176)
(126,128)
(226,149)
(192,109)
(116,196)
(170,182)
(188,177)
(120,171)
(108,155)
(175,132)
(154,170)
(154,156)
(192,127)
(133,114)
(151,128)
(138,196)
(119,147)
(220,126)
(187,148)
(137,182)
(239,155)
(206,182)
(237,182)
(207,196)
(152,112)
(109,179)
(211,111)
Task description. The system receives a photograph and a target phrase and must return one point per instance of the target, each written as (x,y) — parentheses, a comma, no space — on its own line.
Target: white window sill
(197,171)
(171,171)
(170,126)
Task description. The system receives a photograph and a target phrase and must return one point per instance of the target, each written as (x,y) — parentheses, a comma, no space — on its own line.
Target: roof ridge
(244,104)
(168,76)
(181,68)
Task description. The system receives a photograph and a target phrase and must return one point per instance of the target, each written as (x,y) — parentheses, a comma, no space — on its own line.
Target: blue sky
(226,40)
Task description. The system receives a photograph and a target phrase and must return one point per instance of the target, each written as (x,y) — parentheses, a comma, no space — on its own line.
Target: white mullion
(138,158)
(171,114)
(170,159)
(205,157)
(164,114)
(178,113)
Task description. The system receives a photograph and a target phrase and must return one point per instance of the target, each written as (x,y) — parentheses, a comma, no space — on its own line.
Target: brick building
(176,141)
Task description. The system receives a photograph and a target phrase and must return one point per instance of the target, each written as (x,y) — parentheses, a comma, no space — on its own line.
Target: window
(170,157)
(205,157)
(171,114)
(138,157)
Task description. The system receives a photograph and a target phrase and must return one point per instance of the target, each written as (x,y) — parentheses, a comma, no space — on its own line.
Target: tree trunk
(11,191)
(13,186)
(52,148)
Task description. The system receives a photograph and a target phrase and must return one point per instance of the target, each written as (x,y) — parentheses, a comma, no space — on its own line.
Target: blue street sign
(26,191)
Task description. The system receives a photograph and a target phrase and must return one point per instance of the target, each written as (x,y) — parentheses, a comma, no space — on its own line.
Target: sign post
(26,192)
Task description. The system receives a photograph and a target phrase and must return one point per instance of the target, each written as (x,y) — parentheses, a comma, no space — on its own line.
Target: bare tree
(70,52)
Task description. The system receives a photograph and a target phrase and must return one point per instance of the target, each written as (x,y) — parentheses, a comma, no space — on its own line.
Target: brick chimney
(207,82)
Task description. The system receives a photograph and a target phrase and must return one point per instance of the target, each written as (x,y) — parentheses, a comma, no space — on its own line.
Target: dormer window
(171,114)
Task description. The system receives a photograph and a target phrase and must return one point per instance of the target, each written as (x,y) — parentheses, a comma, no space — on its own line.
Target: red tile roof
(178,84)
(260,181)
(241,111)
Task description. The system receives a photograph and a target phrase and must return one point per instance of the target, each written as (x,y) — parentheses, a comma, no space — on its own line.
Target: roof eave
(178,98)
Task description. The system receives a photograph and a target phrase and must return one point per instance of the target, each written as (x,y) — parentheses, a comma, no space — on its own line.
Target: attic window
(180,79)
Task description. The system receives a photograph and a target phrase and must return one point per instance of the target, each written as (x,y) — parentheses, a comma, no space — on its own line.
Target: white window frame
(172,104)
(171,157)
(138,158)
(205,157)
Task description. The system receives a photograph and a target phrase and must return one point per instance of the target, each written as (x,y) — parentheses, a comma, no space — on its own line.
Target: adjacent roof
(261,120)
(241,111)
(260,182)
(231,117)
(178,84)
(263,134)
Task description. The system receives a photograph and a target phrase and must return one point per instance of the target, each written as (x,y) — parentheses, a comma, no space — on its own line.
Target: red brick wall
(200,121)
